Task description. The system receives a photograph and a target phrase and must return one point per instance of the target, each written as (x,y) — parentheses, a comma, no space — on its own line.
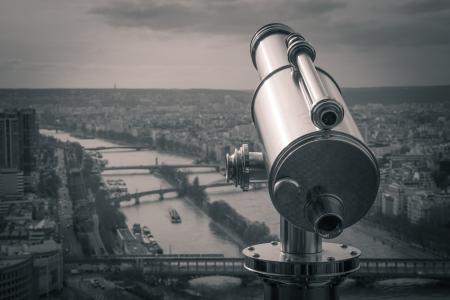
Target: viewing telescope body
(319,179)
(321,176)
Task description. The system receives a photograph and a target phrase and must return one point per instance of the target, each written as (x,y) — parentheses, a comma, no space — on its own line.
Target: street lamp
(321,176)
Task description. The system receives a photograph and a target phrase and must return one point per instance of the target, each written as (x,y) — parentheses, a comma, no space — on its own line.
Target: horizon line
(212,89)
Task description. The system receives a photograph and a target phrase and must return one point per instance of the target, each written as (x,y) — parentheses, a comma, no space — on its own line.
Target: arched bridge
(161,192)
(201,266)
(117,147)
(155,167)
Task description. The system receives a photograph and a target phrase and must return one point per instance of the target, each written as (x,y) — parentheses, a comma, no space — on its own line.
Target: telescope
(321,176)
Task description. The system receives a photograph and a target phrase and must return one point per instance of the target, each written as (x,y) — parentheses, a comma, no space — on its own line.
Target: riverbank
(157,145)
(228,233)
(196,235)
(379,232)
(249,232)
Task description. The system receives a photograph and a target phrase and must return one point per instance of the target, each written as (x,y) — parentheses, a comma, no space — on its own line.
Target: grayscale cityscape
(113,186)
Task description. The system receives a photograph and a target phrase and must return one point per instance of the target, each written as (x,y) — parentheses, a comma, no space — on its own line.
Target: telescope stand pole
(277,291)
(301,267)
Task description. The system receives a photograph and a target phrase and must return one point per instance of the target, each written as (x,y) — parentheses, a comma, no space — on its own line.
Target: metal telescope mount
(321,176)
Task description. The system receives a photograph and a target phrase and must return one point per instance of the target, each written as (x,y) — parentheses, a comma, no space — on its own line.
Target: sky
(205,43)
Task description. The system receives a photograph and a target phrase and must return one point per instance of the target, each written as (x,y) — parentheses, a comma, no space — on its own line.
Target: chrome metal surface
(244,167)
(316,90)
(334,260)
(257,167)
(298,241)
(268,50)
(329,165)
(326,212)
(290,114)
(283,116)
(326,112)
(273,290)
(296,44)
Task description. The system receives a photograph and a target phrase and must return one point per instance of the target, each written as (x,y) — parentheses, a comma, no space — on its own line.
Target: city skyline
(183,44)
(110,177)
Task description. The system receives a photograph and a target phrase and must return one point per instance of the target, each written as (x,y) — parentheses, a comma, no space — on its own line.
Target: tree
(110,219)
(85,244)
(195,182)
(48,185)
(257,232)
(404,149)
(441,179)
(161,141)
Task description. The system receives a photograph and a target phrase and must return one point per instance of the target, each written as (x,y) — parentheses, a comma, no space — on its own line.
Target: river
(197,233)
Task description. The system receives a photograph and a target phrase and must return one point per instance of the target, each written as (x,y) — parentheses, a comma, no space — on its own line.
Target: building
(47,264)
(17,277)
(11,184)
(49,269)
(9,140)
(18,147)
(28,143)
(393,201)
(418,204)
(428,207)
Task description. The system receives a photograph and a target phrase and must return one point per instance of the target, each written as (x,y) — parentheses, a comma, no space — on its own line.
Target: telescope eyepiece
(328,223)
(326,215)
(327,114)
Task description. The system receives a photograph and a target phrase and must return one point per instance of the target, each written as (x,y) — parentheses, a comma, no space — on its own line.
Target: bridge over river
(100,148)
(161,192)
(370,268)
(156,167)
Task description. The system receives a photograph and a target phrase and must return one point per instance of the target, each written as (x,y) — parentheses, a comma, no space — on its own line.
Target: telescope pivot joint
(244,167)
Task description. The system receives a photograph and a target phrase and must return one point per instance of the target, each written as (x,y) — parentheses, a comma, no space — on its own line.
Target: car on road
(74,272)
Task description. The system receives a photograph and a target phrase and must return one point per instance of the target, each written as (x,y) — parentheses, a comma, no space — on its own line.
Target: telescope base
(301,276)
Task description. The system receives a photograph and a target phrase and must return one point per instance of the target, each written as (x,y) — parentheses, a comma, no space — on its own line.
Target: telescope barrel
(326,112)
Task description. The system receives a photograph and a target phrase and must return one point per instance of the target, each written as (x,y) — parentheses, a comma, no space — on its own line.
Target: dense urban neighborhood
(59,209)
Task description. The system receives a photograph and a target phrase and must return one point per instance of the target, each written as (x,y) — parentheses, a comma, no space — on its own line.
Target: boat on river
(137,228)
(149,242)
(117,186)
(146,232)
(174,216)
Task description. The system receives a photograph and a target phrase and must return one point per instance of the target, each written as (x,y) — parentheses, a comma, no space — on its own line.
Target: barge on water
(144,236)
(146,232)
(137,228)
(174,216)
